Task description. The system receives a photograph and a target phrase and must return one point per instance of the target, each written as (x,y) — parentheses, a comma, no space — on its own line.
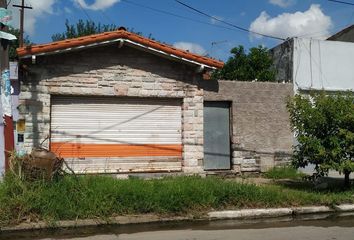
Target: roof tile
(106,36)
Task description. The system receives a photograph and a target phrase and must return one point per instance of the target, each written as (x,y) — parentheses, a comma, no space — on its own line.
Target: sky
(169,22)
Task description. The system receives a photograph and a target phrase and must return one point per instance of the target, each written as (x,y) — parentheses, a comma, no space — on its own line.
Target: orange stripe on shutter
(77,150)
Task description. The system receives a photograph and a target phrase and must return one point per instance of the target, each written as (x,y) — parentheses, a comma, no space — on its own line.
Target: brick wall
(261,136)
(112,71)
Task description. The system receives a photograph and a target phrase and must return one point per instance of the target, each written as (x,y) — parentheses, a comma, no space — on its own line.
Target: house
(317,65)
(314,65)
(120,103)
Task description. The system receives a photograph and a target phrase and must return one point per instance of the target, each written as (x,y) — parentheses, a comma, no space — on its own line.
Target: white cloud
(293,24)
(41,8)
(97,5)
(191,47)
(282,3)
(44,8)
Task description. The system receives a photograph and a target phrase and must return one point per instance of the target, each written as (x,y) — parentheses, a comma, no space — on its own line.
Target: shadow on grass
(322,185)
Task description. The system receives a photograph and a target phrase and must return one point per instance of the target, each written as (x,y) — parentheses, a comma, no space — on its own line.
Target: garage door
(112,135)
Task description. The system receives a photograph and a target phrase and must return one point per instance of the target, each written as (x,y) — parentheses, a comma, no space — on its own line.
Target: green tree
(16,43)
(88,27)
(324,128)
(82,28)
(243,66)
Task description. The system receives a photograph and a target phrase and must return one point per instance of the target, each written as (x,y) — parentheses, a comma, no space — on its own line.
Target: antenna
(216,43)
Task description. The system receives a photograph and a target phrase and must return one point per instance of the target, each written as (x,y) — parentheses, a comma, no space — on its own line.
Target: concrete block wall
(261,135)
(282,56)
(112,71)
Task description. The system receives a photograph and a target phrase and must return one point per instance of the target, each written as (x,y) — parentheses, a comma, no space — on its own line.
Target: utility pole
(22,19)
(6,93)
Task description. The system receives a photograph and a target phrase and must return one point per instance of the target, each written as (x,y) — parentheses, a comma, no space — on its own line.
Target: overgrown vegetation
(88,27)
(16,43)
(284,172)
(98,196)
(83,28)
(255,65)
(324,128)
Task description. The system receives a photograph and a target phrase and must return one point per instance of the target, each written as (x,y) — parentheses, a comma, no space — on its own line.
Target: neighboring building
(117,102)
(345,35)
(315,64)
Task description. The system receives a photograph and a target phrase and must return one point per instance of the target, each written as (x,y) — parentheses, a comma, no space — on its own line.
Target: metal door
(217,136)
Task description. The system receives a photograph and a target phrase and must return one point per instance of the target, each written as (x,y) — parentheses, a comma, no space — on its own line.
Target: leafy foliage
(324,127)
(82,28)
(88,27)
(16,43)
(242,66)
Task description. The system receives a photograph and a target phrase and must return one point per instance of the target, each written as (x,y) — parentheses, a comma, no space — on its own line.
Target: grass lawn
(101,197)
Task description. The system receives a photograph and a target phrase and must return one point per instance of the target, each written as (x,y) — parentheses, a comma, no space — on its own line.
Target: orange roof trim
(119,34)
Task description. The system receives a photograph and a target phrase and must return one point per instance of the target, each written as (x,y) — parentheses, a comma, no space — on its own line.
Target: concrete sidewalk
(310,169)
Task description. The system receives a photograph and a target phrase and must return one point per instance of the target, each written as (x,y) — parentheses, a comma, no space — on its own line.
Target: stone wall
(261,135)
(112,71)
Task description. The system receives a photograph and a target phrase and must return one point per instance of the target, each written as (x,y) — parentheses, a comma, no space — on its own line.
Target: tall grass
(101,197)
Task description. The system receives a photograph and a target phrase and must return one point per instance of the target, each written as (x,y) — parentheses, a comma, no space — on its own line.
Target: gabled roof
(122,36)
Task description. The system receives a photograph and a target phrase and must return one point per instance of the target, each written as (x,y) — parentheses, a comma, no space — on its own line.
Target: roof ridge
(106,36)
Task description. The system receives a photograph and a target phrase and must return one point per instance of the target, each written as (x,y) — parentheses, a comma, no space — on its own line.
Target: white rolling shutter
(108,134)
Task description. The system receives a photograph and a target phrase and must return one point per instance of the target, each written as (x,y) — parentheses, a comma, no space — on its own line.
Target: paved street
(295,233)
(332,229)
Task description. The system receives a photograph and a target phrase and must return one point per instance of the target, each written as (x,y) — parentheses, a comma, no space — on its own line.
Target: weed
(81,197)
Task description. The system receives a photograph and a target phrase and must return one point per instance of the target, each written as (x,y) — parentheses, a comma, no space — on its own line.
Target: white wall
(327,65)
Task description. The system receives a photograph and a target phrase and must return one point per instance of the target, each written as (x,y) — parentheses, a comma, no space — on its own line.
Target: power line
(213,44)
(227,23)
(346,3)
(175,15)
(342,2)
(107,17)
(86,13)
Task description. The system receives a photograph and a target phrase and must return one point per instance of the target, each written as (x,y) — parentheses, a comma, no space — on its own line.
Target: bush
(324,128)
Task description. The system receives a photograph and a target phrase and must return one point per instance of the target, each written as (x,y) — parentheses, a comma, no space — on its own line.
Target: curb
(120,220)
(250,213)
(344,208)
(278,212)
(314,209)
(244,214)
